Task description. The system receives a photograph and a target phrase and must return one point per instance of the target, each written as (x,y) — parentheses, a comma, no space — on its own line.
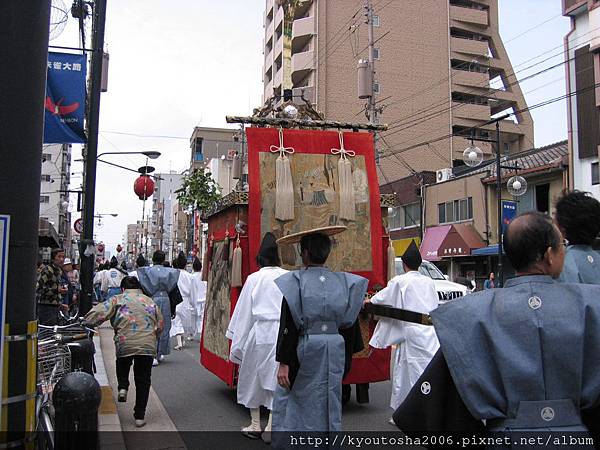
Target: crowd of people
(523,356)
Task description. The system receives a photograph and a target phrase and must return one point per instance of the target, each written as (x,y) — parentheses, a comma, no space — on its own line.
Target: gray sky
(179,64)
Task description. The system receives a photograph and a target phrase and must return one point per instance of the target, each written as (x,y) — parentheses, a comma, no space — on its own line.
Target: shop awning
(400,245)
(490,250)
(447,241)
(47,235)
(432,240)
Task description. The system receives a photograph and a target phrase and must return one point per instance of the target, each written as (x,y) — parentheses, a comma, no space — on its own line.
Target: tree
(198,191)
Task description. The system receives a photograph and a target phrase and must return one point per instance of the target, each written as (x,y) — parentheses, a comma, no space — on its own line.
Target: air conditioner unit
(443,175)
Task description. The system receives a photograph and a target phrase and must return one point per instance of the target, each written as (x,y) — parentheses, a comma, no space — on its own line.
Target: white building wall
(582,168)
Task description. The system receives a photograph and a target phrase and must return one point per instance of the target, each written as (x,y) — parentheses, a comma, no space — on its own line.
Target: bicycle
(54,361)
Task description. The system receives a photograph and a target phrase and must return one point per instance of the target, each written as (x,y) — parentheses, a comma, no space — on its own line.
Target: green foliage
(198,191)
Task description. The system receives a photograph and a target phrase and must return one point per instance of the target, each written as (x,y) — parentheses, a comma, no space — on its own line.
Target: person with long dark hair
(111,281)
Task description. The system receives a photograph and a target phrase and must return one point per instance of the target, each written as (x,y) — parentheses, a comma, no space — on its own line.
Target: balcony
(469,46)
(278,17)
(471,111)
(459,145)
(303,27)
(269,58)
(470,79)
(309,93)
(569,6)
(469,15)
(302,62)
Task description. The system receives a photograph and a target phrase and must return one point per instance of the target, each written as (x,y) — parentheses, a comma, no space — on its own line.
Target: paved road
(196,400)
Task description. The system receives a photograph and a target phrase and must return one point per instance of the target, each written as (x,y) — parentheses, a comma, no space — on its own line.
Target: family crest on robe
(253,332)
(417,344)
(157,281)
(317,304)
(582,265)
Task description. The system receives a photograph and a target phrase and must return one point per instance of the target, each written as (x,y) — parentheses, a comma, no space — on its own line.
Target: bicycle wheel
(45,429)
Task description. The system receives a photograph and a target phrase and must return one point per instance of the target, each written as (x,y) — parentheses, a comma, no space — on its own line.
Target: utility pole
(91,153)
(24,51)
(372,112)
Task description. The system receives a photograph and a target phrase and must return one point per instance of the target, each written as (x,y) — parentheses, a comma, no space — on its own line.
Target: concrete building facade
(582,51)
(163,200)
(441,68)
(54,200)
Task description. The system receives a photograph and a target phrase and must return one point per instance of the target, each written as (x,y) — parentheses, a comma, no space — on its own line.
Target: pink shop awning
(432,240)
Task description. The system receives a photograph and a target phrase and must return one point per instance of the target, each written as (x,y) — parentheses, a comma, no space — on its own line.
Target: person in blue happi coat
(578,217)
(524,358)
(318,315)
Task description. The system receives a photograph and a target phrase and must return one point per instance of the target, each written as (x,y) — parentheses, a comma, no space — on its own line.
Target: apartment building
(55,218)
(164,196)
(582,50)
(441,68)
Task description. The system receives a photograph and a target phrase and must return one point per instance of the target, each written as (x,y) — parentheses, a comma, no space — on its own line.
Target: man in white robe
(417,344)
(253,330)
(199,296)
(184,312)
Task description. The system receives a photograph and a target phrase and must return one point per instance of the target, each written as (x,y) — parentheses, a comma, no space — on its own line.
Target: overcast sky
(179,64)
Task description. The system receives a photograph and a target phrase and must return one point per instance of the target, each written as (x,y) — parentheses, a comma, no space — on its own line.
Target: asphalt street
(196,400)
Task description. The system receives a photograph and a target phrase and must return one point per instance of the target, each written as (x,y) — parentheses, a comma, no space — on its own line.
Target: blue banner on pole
(509,211)
(65,99)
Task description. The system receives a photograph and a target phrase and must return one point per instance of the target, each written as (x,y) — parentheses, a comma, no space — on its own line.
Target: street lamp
(473,157)
(87,237)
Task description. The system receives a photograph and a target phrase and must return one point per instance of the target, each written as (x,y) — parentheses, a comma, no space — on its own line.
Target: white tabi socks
(253,430)
(180,342)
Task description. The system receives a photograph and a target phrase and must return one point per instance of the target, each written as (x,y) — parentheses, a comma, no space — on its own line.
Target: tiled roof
(529,160)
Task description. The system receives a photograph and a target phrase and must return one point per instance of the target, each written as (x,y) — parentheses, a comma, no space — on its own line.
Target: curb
(109,424)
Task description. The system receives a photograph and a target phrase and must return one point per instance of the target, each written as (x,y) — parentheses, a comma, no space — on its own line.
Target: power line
(536,106)
(155,136)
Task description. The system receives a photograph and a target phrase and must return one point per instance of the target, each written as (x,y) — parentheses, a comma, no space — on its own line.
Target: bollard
(76,399)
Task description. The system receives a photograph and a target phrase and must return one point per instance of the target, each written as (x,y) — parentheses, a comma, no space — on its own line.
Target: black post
(24,53)
(499,205)
(87,238)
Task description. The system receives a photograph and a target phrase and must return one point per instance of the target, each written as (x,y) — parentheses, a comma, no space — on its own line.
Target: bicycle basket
(54,361)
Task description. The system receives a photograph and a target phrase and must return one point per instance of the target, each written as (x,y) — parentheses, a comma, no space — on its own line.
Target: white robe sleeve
(241,322)
(389,331)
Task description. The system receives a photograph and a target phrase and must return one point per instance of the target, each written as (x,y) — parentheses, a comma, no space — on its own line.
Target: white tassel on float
(284,186)
(391,261)
(236,265)
(346,182)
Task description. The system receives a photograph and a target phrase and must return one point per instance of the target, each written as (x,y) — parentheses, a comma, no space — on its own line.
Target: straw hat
(297,237)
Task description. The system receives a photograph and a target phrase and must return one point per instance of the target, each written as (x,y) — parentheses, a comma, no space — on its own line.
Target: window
(506,147)
(455,211)
(376,88)
(542,197)
(376,22)
(406,216)
(595,173)
(198,156)
(44,199)
(375,53)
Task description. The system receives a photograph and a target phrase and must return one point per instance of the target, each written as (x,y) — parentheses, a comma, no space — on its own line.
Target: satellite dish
(472,156)
(516,186)
(59,14)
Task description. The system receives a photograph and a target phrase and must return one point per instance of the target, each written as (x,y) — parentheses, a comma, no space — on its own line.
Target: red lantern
(143,187)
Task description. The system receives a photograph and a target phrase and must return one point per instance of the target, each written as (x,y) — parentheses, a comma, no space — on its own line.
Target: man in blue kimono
(318,307)
(157,281)
(522,358)
(578,217)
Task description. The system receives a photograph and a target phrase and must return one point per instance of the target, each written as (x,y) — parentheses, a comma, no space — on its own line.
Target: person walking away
(540,334)
(157,281)
(111,280)
(199,294)
(490,283)
(182,323)
(253,332)
(139,262)
(50,290)
(98,277)
(318,305)
(137,322)
(578,217)
(415,292)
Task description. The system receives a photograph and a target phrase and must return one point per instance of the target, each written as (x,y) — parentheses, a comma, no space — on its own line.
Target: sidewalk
(121,414)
